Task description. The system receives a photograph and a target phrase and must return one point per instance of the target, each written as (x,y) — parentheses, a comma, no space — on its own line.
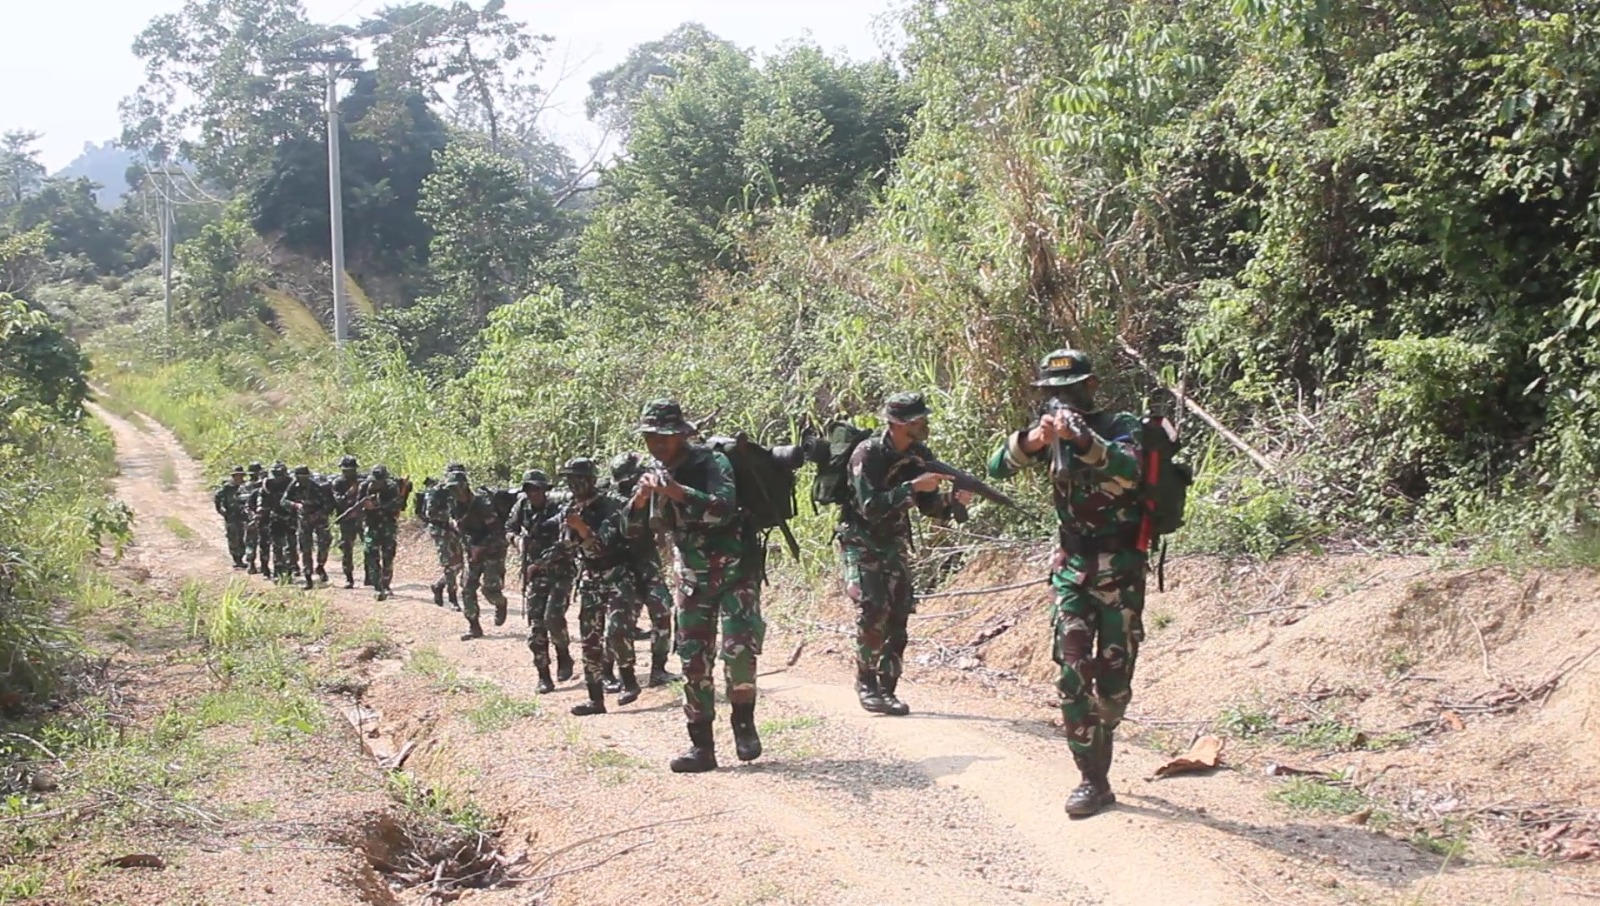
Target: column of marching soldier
(598,536)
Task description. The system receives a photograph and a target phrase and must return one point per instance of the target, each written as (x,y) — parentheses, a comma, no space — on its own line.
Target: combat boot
(595,705)
(702,753)
(608,678)
(500,613)
(450,592)
(310,582)
(563,665)
(349,580)
(630,687)
(867,691)
(438,596)
(886,687)
(545,686)
(745,739)
(383,594)
(474,630)
(251,568)
(1094,793)
(658,670)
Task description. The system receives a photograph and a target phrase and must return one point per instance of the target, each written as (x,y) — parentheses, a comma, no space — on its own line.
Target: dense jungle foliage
(1364,237)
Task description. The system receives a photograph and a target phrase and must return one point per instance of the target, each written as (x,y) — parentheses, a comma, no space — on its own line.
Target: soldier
(547,574)
(346,494)
(483,536)
(435,504)
(381,502)
(689,490)
(253,552)
(312,503)
(277,523)
(644,561)
(230,500)
(874,535)
(593,529)
(1098,572)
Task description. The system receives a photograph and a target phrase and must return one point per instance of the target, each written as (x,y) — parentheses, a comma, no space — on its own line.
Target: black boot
(450,592)
(563,665)
(867,691)
(595,705)
(438,595)
(886,687)
(545,686)
(658,670)
(608,678)
(349,580)
(251,569)
(1094,793)
(630,687)
(310,582)
(745,739)
(322,575)
(500,614)
(702,754)
(474,630)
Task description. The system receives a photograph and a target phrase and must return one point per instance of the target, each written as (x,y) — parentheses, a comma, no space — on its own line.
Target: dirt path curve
(959,803)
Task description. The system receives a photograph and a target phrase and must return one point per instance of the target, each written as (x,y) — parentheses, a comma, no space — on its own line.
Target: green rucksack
(765,488)
(831,485)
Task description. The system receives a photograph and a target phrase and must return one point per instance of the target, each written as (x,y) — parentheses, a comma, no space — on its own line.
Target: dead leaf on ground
(136,860)
(1203,755)
(1453,720)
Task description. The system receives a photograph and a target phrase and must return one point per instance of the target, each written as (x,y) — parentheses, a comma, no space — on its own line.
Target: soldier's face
(666,448)
(238,478)
(582,488)
(917,430)
(536,494)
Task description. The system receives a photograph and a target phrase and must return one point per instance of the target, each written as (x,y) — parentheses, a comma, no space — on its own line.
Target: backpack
(1164,494)
(504,499)
(831,485)
(765,489)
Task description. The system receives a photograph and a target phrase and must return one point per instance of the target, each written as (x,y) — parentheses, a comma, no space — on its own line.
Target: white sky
(64,65)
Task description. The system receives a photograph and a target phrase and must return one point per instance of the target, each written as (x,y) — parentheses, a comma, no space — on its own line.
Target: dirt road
(958,803)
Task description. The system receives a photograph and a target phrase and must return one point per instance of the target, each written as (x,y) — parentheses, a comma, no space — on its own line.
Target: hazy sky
(66,63)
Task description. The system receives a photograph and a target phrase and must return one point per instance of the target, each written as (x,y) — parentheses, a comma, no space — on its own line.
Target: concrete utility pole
(337,63)
(166,221)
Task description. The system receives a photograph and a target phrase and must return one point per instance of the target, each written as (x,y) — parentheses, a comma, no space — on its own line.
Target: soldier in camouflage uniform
(312,503)
(278,523)
(547,574)
(255,553)
(649,587)
(1099,572)
(381,504)
(874,535)
(483,535)
(230,500)
(593,530)
(434,506)
(346,494)
(689,491)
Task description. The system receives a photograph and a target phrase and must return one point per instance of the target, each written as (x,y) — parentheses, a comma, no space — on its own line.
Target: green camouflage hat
(238,470)
(255,468)
(280,468)
(906,407)
(348,463)
(536,478)
(1063,368)
(380,472)
(304,471)
(664,416)
(581,467)
(625,466)
(457,480)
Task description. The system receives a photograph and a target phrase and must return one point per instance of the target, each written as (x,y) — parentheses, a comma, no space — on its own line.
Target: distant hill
(107,165)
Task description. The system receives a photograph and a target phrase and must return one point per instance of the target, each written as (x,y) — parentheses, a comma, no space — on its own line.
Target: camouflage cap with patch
(580,467)
(238,470)
(302,470)
(457,480)
(906,407)
(664,416)
(536,478)
(1063,368)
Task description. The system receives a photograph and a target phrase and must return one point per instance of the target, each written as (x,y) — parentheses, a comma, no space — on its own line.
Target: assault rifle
(960,480)
(1059,463)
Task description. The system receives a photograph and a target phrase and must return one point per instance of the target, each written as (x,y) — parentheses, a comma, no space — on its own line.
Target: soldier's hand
(963,496)
(575,521)
(928,481)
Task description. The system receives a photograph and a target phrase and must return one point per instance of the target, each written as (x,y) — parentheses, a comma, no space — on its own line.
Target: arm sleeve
(1009,458)
(1116,457)
(715,506)
(872,504)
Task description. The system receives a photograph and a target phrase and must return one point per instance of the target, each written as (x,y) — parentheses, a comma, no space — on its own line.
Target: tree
(70,210)
(20,169)
(649,70)
(219,281)
(39,363)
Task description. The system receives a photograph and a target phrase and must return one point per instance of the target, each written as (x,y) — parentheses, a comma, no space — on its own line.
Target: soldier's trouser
(650,591)
(349,531)
(379,541)
(879,582)
(603,611)
(735,608)
(1099,623)
(546,600)
(486,570)
(447,545)
(257,544)
(314,539)
(235,527)
(285,552)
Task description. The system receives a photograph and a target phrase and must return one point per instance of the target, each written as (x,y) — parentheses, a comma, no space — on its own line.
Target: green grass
(446,677)
(438,802)
(499,710)
(1305,794)
(1244,721)
(1160,621)
(778,726)
(178,528)
(372,637)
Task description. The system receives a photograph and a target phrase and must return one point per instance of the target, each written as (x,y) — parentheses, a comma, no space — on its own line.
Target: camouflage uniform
(720,562)
(278,523)
(312,502)
(230,500)
(605,584)
(381,504)
(434,506)
(256,554)
(874,535)
(346,494)
(644,561)
(1098,573)
(483,535)
(547,576)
